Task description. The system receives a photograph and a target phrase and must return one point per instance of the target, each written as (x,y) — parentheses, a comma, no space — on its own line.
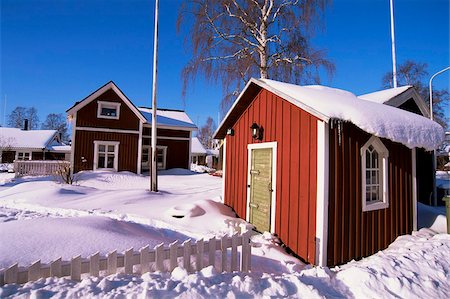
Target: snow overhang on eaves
(381,120)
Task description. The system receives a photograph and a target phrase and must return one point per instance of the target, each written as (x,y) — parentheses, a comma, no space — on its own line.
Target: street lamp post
(432,118)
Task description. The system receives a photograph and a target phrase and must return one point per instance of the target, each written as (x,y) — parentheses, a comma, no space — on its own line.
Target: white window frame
(164,150)
(23,152)
(116,144)
(111,105)
(383,155)
(158,147)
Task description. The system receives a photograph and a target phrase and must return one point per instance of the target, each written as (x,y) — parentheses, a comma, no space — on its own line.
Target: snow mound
(186,210)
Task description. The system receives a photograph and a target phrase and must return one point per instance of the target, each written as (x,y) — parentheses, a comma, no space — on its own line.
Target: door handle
(269,186)
(254,205)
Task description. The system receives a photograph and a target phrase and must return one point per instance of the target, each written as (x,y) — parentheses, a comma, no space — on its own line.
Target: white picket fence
(188,255)
(22,168)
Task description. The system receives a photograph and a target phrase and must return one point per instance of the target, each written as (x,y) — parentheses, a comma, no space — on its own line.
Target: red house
(110,133)
(334,176)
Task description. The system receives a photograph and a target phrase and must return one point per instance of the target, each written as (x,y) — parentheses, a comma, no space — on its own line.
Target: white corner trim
(190,150)
(139,159)
(224,164)
(322,193)
(106,104)
(273,146)
(414,186)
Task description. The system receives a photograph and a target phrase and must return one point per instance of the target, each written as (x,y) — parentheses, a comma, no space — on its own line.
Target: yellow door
(260,188)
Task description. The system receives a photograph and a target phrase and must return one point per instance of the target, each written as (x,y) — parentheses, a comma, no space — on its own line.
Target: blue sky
(56,52)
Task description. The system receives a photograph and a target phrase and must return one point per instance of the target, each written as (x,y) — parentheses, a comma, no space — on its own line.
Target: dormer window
(374,168)
(109,110)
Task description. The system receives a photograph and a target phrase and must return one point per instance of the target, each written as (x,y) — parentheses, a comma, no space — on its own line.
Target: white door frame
(273,146)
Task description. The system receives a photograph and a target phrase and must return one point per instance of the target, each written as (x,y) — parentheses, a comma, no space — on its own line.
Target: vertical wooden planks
(295,199)
(159,257)
(128,261)
(223,248)
(94,264)
(187,255)
(212,251)
(112,262)
(173,252)
(55,268)
(75,268)
(145,259)
(34,271)
(234,255)
(199,257)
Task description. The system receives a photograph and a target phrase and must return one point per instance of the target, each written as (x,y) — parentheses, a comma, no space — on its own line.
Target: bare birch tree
(234,40)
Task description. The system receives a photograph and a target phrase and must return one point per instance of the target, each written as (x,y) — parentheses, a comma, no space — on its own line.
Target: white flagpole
(154,166)
(394,66)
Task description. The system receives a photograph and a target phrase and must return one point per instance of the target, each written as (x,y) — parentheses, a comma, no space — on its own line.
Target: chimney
(25,124)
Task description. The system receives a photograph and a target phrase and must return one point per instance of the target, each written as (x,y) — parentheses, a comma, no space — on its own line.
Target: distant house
(198,152)
(333,175)
(110,133)
(407,98)
(21,144)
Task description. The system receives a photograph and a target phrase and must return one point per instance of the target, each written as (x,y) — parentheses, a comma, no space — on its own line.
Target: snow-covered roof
(197,147)
(212,152)
(381,120)
(169,118)
(382,96)
(20,139)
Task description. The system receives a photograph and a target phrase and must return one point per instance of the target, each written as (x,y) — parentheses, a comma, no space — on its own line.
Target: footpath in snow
(41,219)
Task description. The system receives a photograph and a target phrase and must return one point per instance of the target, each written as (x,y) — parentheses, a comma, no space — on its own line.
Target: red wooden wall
(295,132)
(87,116)
(353,233)
(84,147)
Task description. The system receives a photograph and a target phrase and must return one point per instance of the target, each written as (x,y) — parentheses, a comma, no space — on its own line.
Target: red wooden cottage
(110,133)
(334,176)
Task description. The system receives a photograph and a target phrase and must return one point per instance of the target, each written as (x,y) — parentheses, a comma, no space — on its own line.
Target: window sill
(375,206)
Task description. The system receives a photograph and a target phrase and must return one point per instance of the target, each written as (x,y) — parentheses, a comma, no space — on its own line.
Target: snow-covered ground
(41,219)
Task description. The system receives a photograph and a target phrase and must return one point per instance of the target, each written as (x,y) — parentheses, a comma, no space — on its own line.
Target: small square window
(110,110)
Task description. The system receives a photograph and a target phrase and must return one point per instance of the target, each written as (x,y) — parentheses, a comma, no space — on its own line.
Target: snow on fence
(22,168)
(188,255)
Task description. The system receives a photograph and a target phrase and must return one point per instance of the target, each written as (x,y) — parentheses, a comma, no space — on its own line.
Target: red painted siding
(87,116)
(84,147)
(295,132)
(353,233)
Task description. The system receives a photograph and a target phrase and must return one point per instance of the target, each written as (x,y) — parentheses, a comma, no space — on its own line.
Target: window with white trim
(110,110)
(23,156)
(161,155)
(374,168)
(106,155)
